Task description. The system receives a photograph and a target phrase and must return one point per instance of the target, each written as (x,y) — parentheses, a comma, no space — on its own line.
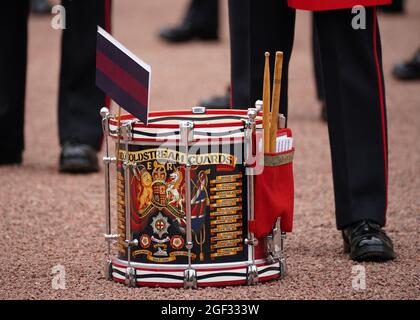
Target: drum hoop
(175,126)
(179,267)
(221,112)
(175,141)
(185,112)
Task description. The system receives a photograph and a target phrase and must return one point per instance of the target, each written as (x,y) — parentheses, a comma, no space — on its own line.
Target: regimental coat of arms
(158,192)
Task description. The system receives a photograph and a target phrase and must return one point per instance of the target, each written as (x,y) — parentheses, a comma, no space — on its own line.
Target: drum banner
(157,204)
(274,192)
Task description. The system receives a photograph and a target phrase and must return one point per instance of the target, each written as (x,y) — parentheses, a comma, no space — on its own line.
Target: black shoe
(78,158)
(366,241)
(10,158)
(185,32)
(40,7)
(409,70)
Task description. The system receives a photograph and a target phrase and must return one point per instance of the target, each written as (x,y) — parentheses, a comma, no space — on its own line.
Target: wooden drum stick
(278,66)
(266,103)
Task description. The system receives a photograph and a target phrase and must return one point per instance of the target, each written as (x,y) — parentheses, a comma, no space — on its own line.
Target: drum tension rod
(129,242)
(251,241)
(186,129)
(107,160)
(275,246)
(274,243)
(111,237)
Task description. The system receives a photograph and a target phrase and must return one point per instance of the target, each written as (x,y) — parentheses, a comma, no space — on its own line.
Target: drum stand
(186,130)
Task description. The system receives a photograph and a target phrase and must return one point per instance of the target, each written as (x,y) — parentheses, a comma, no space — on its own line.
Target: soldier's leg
(355,98)
(257,27)
(79,99)
(13,34)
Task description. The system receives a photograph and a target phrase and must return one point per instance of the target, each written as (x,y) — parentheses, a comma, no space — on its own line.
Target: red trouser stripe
(230,95)
(382,105)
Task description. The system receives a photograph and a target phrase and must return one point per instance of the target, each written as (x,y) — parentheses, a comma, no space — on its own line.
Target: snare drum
(185,201)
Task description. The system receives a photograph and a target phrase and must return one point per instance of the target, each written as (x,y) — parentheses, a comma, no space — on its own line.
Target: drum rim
(206,277)
(203,267)
(238,123)
(155,142)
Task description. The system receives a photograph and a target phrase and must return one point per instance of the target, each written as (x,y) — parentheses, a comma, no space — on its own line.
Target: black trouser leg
(13,53)
(79,99)
(352,71)
(268,26)
(239,53)
(203,14)
(319,82)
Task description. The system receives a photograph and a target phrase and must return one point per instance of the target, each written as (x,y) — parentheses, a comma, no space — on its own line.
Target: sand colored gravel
(47,218)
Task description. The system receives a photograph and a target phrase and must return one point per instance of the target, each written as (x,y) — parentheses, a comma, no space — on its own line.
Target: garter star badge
(160,225)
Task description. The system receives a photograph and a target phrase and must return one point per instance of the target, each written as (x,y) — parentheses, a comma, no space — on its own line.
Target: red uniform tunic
(319,5)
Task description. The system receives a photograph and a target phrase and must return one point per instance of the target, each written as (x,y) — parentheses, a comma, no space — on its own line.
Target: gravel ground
(49,218)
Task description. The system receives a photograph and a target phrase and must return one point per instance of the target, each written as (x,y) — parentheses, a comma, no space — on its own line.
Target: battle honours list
(226,215)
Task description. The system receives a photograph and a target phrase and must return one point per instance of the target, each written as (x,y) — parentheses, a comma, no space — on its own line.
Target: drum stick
(266,103)
(278,66)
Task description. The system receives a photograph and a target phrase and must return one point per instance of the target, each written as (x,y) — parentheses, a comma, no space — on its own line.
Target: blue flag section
(122,76)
